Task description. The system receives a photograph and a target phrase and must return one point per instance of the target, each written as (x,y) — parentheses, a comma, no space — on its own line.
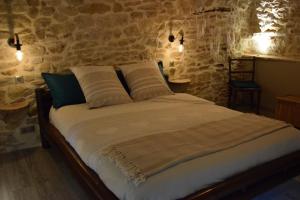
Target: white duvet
(162,114)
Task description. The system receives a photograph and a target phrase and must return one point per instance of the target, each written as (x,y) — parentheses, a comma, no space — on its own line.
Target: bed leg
(44,141)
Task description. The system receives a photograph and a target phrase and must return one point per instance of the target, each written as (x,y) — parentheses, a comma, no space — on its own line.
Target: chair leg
(252,99)
(258,102)
(234,95)
(229,97)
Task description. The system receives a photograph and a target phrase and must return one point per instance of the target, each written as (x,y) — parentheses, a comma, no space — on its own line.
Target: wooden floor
(37,174)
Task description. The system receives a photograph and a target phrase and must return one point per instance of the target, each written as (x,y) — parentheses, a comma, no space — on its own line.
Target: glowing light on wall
(19,55)
(263,41)
(270,14)
(181,46)
(15,43)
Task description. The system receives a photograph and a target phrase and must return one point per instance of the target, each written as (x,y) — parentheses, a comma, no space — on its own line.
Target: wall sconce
(181,47)
(171,38)
(181,41)
(15,43)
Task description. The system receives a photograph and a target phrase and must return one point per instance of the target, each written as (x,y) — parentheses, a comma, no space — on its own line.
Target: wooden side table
(179,85)
(14,106)
(288,109)
(9,110)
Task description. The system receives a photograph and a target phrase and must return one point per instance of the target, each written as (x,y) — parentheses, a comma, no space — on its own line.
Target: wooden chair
(249,85)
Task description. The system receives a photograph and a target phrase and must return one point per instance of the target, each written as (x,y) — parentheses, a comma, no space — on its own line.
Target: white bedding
(161,114)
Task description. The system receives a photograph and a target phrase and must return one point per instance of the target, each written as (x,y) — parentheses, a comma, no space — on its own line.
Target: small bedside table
(9,110)
(14,106)
(179,85)
(288,109)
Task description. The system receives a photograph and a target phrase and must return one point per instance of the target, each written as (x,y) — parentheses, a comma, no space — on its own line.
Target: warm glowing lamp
(263,41)
(181,46)
(15,43)
(19,55)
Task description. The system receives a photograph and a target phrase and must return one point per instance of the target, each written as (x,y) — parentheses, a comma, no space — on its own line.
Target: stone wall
(58,34)
(280,19)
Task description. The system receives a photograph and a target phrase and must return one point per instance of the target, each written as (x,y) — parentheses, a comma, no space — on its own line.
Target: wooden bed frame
(244,185)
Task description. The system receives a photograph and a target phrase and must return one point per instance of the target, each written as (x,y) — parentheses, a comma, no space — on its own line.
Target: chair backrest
(251,71)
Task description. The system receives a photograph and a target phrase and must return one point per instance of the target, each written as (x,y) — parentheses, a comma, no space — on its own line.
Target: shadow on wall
(277,78)
(10,21)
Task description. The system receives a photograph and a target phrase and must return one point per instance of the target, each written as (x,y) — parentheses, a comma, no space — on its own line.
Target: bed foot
(45,142)
(46,145)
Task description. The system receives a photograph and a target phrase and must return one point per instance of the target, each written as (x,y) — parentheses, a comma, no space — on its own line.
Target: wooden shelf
(179,81)
(221,9)
(272,57)
(14,106)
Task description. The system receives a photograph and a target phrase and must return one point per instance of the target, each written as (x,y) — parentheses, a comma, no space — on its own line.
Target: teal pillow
(64,88)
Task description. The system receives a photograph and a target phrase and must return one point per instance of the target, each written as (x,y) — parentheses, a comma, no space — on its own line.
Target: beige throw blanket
(143,157)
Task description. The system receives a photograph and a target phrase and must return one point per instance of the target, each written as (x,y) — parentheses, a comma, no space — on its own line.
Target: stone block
(117,7)
(33,12)
(95,8)
(42,22)
(33,2)
(47,11)
(10,72)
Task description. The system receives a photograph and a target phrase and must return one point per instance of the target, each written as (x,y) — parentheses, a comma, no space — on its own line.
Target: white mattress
(185,178)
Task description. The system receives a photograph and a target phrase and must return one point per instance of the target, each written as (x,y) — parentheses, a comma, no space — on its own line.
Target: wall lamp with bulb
(181,41)
(15,43)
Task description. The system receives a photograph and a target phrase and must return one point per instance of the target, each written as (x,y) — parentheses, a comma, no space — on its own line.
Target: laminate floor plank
(37,174)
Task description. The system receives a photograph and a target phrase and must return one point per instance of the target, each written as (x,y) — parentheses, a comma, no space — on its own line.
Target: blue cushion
(64,89)
(244,84)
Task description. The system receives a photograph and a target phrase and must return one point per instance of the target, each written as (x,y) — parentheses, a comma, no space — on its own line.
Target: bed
(240,172)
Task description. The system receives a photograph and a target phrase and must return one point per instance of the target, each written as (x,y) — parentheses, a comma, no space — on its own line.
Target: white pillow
(101,86)
(145,80)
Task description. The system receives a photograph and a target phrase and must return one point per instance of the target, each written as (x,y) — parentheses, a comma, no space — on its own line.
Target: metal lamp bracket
(14,42)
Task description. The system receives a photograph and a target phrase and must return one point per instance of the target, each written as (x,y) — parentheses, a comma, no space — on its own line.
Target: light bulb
(19,55)
(181,48)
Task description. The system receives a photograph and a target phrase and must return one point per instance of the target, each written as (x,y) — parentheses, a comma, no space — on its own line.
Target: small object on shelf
(14,106)
(288,109)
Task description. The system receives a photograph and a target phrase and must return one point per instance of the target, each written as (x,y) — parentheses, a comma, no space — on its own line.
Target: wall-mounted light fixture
(181,41)
(15,43)
(181,47)
(171,37)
